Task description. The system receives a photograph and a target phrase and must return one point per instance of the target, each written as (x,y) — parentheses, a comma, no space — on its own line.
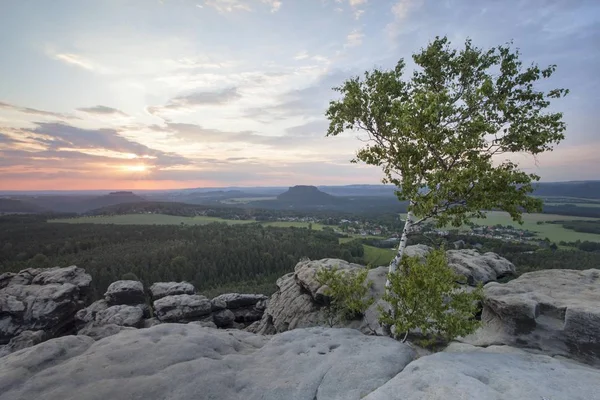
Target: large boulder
(88,314)
(554,311)
(494,373)
(299,299)
(239,300)
(100,320)
(182,308)
(122,315)
(245,308)
(23,340)
(223,318)
(177,361)
(474,266)
(42,300)
(159,290)
(479,268)
(125,292)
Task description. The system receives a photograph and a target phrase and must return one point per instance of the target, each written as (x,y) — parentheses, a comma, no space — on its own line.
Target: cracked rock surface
(178,361)
(554,311)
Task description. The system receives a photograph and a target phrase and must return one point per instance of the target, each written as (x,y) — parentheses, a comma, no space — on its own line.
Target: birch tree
(444,134)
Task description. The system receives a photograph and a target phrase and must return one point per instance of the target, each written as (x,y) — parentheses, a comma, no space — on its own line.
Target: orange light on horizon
(135,168)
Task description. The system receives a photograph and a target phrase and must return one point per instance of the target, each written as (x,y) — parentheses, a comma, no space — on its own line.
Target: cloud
(76,60)
(196,99)
(58,136)
(227,6)
(310,102)
(275,4)
(356,7)
(33,111)
(316,128)
(301,55)
(400,10)
(102,110)
(354,38)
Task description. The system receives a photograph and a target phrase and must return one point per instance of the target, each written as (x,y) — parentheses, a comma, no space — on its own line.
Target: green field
(554,232)
(245,200)
(162,219)
(577,204)
(292,224)
(147,219)
(377,257)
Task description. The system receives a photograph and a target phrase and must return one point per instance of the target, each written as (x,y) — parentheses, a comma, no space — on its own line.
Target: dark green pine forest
(216,258)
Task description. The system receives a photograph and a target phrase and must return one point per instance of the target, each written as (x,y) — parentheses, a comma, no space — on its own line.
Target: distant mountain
(583,189)
(360,190)
(308,196)
(10,206)
(111,199)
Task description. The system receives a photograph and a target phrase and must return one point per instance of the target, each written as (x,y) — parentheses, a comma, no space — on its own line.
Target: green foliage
(436,134)
(130,276)
(348,292)
(39,261)
(426,296)
(215,258)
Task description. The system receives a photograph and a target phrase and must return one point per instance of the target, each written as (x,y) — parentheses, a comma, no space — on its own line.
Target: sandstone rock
(150,322)
(204,324)
(294,306)
(290,307)
(23,340)
(218,304)
(21,366)
(122,315)
(247,315)
(224,318)
(23,277)
(98,332)
(237,300)
(125,292)
(73,275)
(554,311)
(42,299)
(159,290)
(182,307)
(495,373)
(417,250)
(88,314)
(299,298)
(176,361)
(477,267)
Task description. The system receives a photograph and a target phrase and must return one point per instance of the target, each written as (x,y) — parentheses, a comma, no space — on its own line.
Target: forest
(219,258)
(216,258)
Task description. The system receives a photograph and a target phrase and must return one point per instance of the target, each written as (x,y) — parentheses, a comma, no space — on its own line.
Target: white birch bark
(401,246)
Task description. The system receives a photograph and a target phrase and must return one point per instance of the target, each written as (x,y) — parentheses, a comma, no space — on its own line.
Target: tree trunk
(401,246)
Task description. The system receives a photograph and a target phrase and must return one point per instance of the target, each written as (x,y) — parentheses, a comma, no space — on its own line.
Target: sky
(163,94)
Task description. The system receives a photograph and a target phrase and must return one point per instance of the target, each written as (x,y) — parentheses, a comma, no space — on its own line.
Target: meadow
(147,219)
(554,232)
(376,257)
(162,219)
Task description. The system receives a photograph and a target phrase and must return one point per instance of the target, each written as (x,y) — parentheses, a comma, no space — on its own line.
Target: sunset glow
(135,168)
(211,96)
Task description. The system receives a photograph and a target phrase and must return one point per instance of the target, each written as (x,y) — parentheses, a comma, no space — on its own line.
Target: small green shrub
(348,293)
(427,296)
